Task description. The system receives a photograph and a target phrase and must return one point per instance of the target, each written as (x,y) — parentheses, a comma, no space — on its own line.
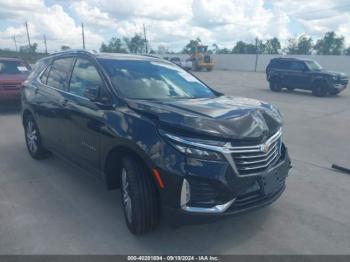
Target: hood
(12,78)
(334,73)
(233,118)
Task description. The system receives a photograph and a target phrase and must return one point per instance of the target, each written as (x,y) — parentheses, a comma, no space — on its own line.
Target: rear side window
(58,75)
(297,66)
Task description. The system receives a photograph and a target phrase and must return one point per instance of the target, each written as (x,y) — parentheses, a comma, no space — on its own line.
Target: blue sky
(169,24)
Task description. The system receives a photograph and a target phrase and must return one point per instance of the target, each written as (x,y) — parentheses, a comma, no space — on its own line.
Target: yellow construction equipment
(201,58)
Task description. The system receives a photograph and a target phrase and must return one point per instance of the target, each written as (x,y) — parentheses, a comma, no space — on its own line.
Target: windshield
(313,65)
(13,68)
(154,80)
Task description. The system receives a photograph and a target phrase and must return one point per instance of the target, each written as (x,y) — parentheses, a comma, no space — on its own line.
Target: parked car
(307,74)
(176,147)
(13,72)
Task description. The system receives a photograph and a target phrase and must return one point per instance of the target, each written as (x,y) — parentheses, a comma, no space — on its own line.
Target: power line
(45,44)
(26,24)
(144,34)
(14,39)
(82,33)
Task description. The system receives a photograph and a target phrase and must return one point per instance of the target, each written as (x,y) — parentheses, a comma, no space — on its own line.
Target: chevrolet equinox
(177,148)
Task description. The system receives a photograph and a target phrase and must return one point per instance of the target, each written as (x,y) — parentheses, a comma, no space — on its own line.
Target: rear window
(13,67)
(58,75)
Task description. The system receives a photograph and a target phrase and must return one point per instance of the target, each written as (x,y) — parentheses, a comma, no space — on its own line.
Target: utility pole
(256,54)
(14,39)
(144,34)
(30,46)
(82,33)
(45,44)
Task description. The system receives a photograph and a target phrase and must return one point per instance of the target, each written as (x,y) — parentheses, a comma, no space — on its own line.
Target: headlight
(195,148)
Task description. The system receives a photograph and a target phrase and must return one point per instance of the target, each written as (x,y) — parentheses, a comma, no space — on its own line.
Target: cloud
(53,21)
(169,23)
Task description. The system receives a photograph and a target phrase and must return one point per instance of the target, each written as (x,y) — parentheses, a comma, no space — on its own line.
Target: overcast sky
(169,22)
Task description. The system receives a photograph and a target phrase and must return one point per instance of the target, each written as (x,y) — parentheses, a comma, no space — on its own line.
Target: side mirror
(91,94)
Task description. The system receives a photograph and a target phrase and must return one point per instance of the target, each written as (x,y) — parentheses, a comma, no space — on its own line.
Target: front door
(87,118)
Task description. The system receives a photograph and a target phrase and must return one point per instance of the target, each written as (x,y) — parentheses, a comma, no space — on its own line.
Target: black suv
(292,73)
(176,147)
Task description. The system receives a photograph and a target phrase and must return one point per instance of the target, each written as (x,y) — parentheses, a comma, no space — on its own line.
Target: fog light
(185,193)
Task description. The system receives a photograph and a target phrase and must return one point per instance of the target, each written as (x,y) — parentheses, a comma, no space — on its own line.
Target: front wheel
(33,139)
(319,89)
(139,196)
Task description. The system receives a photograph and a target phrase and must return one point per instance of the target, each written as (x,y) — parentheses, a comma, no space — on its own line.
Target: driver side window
(85,80)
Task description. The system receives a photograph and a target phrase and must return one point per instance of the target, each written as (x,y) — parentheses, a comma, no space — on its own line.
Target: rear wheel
(319,89)
(33,139)
(139,196)
(275,85)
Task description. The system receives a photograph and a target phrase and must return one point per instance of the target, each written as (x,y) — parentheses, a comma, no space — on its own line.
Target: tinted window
(13,67)
(297,66)
(154,80)
(58,75)
(85,80)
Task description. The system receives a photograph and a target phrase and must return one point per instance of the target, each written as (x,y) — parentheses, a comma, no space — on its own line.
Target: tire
(275,85)
(319,89)
(334,92)
(139,196)
(33,139)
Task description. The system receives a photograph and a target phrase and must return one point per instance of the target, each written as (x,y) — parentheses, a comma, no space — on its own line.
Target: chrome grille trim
(229,152)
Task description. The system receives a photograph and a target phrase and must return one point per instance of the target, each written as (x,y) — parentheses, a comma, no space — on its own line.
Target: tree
(65,47)
(244,48)
(292,46)
(305,45)
(216,48)
(191,45)
(301,46)
(347,51)
(330,44)
(115,45)
(135,44)
(272,46)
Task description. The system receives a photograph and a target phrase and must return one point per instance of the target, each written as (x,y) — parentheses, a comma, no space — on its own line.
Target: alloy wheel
(32,136)
(126,195)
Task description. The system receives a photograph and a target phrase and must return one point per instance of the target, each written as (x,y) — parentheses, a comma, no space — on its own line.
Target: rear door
(296,75)
(49,106)
(86,112)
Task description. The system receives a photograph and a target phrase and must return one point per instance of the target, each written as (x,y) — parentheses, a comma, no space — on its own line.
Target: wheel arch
(25,114)
(112,165)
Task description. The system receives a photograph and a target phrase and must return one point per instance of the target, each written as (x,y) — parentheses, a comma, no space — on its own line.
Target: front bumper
(214,185)
(338,86)
(10,95)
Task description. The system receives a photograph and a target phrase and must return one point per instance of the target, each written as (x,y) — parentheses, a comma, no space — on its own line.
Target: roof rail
(74,51)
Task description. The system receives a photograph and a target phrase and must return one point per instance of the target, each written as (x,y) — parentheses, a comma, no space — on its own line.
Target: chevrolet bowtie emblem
(264,148)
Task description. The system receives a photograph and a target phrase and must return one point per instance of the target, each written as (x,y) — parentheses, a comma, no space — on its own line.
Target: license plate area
(271,182)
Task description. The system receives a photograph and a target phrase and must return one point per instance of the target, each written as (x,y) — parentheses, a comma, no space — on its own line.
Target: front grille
(255,159)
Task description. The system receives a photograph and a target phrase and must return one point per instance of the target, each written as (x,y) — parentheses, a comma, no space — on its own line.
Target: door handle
(64,102)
